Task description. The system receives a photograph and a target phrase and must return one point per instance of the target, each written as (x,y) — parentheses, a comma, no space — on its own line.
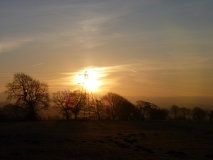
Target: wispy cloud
(90,29)
(39,64)
(11,44)
(82,25)
(117,34)
(85,27)
(173,55)
(109,76)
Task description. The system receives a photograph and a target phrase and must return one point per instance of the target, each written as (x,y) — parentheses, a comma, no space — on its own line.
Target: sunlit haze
(90,79)
(150,48)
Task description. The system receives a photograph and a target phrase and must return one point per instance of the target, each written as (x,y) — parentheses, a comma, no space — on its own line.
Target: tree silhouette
(174,110)
(112,103)
(127,111)
(29,93)
(151,111)
(59,98)
(98,108)
(198,114)
(69,102)
(183,112)
(158,114)
(77,101)
(148,108)
(210,115)
(12,112)
(140,105)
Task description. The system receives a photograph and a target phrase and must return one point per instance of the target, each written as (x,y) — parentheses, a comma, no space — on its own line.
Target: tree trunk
(32,114)
(67,115)
(99,117)
(76,116)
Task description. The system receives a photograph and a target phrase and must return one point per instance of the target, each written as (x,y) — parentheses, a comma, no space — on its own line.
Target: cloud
(11,44)
(81,25)
(37,64)
(85,26)
(90,29)
(109,76)
(117,34)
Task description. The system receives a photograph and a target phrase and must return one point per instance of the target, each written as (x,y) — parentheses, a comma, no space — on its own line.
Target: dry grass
(106,140)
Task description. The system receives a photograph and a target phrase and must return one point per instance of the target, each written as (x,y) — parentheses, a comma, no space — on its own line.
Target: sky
(143,48)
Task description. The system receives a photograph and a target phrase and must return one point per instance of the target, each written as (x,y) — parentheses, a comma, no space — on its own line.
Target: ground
(61,140)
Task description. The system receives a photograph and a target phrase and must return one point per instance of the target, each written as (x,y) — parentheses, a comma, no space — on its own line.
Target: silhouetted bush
(12,112)
(159,114)
(210,115)
(127,111)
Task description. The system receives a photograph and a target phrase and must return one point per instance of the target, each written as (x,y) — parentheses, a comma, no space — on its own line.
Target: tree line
(30,95)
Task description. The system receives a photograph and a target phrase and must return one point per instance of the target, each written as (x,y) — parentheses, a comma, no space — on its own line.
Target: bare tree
(77,101)
(69,102)
(210,115)
(183,112)
(174,110)
(140,105)
(29,93)
(198,114)
(60,99)
(112,103)
(158,114)
(128,111)
(98,108)
(89,105)
(145,108)
(148,108)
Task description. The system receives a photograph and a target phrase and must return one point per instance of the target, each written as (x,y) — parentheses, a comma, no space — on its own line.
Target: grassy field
(61,140)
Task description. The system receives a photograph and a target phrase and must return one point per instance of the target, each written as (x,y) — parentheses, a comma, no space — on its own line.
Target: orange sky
(138,48)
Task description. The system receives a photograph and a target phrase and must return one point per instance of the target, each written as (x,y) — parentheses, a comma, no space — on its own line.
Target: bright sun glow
(90,80)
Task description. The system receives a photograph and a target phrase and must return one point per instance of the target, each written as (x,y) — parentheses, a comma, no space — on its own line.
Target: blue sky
(140,48)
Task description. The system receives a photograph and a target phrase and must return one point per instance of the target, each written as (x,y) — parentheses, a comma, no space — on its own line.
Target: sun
(89,80)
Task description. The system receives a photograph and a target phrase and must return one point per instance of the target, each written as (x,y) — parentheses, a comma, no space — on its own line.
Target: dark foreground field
(105,140)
